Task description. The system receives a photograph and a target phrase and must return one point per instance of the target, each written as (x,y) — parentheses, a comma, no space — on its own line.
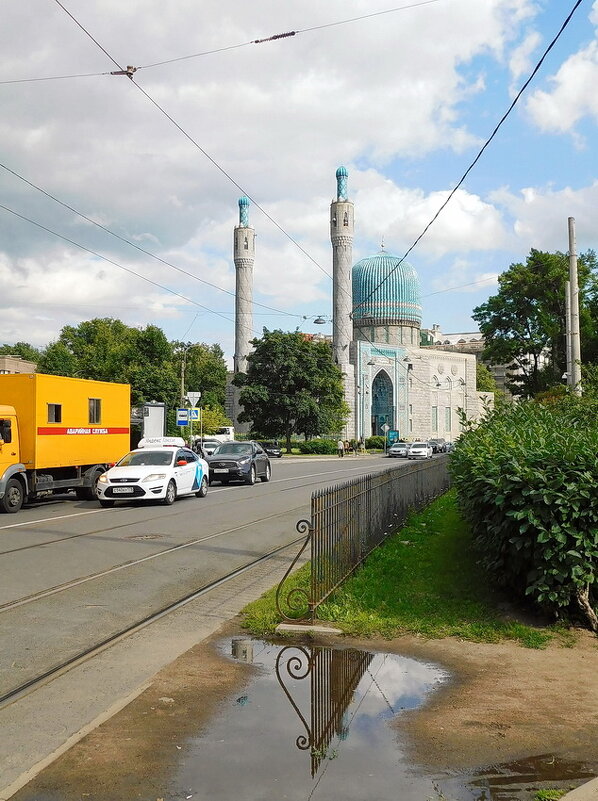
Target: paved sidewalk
(587,792)
(44,724)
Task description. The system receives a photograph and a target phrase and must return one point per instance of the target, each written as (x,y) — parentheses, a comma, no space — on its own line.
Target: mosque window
(246,244)
(346,219)
(447,418)
(435,418)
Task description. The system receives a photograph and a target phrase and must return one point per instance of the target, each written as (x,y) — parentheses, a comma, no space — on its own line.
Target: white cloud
(572,96)
(520,60)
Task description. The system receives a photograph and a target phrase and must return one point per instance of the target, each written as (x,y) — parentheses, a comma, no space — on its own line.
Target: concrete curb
(585,792)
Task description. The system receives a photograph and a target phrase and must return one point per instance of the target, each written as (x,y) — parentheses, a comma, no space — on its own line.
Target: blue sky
(404,100)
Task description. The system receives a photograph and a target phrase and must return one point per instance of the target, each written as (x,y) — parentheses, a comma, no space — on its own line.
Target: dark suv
(438,445)
(272,448)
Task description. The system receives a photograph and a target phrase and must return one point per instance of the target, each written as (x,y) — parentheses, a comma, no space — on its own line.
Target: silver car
(420,450)
(399,449)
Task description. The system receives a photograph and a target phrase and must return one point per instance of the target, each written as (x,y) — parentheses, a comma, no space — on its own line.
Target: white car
(399,449)
(420,450)
(162,469)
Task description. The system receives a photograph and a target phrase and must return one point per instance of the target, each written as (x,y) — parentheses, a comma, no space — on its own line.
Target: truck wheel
(170,496)
(106,503)
(203,488)
(13,496)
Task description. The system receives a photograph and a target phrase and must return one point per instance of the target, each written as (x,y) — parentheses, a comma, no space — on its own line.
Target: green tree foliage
(205,371)
(213,419)
(527,483)
(292,386)
(484,379)
(106,349)
(525,320)
(22,349)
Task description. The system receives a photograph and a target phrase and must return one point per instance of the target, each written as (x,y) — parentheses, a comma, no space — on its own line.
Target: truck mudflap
(11,471)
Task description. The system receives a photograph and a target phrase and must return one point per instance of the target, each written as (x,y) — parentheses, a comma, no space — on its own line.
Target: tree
(22,349)
(106,349)
(292,386)
(484,379)
(524,323)
(205,370)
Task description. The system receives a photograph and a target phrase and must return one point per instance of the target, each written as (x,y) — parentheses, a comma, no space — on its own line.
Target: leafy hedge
(375,443)
(527,482)
(317,446)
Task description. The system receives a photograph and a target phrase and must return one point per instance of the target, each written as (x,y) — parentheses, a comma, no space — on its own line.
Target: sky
(404,99)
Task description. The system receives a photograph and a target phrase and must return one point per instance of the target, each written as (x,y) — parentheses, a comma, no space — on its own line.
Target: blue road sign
(193,414)
(182,417)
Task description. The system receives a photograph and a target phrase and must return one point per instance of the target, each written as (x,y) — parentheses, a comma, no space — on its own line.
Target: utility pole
(568,330)
(574,329)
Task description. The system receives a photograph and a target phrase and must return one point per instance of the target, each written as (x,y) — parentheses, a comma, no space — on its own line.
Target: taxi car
(161,469)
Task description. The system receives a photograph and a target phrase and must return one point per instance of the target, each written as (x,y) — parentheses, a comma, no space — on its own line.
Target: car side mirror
(182,462)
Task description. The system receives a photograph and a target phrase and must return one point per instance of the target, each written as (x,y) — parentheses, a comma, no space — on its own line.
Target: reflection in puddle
(313,723)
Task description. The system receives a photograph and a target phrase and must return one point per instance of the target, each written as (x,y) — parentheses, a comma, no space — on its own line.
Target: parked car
(239,461)
(208,446)
(399,449)
(273,449)
(157,471)
(438,445)
(420,450)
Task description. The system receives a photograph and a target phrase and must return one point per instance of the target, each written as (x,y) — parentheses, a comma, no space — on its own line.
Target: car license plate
(221,470)
(122,490)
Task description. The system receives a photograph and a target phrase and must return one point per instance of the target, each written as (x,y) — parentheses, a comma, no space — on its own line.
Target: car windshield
(210,443)
(136,458)
(233,449)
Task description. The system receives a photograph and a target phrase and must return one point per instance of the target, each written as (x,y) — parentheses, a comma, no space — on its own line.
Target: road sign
(194,414)
(385,427)
(182,417)
(193,397)
(393,436)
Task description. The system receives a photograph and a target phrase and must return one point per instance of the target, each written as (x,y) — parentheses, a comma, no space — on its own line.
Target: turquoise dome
(384,293)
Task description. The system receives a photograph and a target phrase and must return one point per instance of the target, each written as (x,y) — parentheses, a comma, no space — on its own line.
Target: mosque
(392,381)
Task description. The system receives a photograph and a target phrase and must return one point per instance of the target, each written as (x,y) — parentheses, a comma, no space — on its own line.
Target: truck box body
(67,422)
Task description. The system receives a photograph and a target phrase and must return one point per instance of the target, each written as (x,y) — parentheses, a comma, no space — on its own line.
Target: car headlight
(153,477)
(246,460)
(103,478)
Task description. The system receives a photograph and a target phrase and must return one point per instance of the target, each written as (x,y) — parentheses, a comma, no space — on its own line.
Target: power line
(287,35)
(196,144)
(56,77)
(478,156)
(111,261)
(133,244)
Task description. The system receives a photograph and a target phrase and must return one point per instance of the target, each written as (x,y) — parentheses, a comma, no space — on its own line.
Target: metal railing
(350,519)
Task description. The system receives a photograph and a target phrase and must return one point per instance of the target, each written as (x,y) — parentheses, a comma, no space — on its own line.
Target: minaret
(341,236)
(244,255)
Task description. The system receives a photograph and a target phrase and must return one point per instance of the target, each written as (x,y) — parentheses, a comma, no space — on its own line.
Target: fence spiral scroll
(297,599)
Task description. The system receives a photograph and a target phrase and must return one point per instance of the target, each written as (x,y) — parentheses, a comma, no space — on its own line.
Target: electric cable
(134,245)
(272,38)
(196,144)
(478,156)
(111,261)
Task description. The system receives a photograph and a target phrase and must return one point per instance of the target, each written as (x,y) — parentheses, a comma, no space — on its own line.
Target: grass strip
(424,580)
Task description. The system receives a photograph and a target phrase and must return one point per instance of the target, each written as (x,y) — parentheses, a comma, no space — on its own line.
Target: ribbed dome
(384,292)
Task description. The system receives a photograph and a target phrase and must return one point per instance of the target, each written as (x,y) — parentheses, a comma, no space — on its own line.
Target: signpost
(386,429)
(182,417)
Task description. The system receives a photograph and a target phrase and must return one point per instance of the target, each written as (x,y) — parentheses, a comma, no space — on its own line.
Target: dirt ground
(503,703)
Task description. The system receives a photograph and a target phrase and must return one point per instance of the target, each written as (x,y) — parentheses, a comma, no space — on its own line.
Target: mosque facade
(391,382)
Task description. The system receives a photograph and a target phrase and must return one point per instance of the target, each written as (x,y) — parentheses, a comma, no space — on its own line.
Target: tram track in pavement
(14,694)
(49,591)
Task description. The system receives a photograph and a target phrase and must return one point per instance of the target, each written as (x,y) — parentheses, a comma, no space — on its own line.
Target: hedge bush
(527,482)
(317,446)
(375,443)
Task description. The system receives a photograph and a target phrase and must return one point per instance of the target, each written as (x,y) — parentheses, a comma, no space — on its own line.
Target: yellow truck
(58,434)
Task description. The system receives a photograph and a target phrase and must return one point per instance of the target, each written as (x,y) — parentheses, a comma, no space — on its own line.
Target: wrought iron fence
(350,519)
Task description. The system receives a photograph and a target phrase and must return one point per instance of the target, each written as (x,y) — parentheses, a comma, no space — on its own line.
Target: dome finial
(341,183)
(244,211)
(382,244)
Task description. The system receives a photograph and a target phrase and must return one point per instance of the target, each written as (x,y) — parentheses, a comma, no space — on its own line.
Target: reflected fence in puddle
(349,520)
(333,676)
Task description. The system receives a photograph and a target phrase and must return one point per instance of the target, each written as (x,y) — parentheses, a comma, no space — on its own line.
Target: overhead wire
(264,40)
(476,159)
(136,246)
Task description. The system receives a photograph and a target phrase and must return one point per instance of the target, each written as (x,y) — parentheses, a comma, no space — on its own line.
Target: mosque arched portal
(383,411)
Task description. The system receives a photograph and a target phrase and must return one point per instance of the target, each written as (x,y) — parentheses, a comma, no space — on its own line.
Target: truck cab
(13,479)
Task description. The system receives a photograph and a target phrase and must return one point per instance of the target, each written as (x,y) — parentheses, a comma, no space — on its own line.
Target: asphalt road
(74,574)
